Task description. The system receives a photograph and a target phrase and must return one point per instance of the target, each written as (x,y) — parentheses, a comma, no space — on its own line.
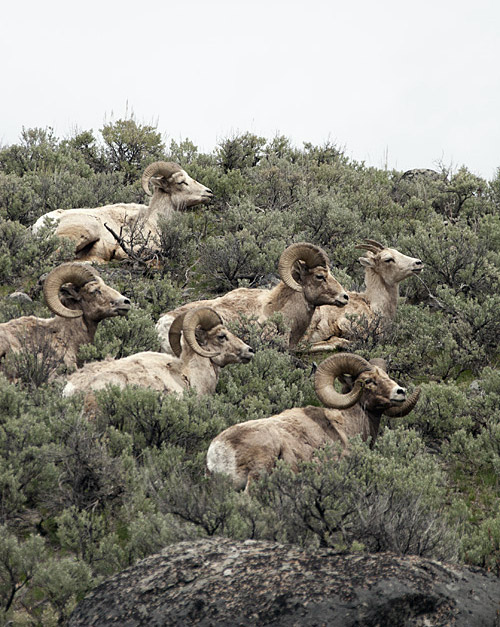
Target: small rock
(20,297)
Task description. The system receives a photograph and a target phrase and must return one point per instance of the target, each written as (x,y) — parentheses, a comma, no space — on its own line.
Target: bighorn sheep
(306,283)
(84,301)
(174,190)
(385,268)
(247,449)
(208,347)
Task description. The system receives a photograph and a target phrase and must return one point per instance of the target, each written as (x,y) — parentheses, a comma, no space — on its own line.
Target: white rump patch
(221,458)
(162,328)
(55,216)
(69,390)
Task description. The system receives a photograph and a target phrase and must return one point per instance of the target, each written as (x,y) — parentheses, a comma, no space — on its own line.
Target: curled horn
(372,245)
(333,367)
(203,317)
(406,407)
(174,334)
(309,253)
(158,168)
(72,272)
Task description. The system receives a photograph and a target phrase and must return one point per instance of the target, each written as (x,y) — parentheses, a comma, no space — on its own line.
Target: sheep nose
(419,263)
(401,391)
(122,302)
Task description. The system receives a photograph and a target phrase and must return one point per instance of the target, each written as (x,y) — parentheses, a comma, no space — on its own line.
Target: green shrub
(386,499)
(24,255)
(248,250)
(154,419)
(19,562)
(121,337)
(481,546)
(441,411)
(80,500)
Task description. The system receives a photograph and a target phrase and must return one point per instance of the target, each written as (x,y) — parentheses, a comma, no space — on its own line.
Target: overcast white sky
(410,84)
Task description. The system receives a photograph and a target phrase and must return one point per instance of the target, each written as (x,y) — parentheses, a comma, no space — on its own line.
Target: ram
(306,283)
(80,299)
(385,268)
(208,347)
(246,450)
(174,190)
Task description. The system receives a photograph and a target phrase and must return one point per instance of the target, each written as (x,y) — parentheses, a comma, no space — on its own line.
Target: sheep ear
(366,262)
(161,182)
(70,291)
(155,181)
(299,269)
(201,336)
(347,380)
(166,184)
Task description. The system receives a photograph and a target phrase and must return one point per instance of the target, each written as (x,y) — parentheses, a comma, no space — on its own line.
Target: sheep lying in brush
(385,268)
(80,299)
(208,347)
(246,450)
(306,283)
(174,190)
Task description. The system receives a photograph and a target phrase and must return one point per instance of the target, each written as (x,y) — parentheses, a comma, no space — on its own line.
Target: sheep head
(168,178)
(304,268)
(75,289)
(391,265)
(367,383)
(206,335)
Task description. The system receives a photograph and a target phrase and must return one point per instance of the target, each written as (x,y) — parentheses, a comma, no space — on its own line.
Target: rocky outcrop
(422,173)
(224,583)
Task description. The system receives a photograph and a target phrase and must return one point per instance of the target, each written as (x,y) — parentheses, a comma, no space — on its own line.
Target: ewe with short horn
(306,283)
(248,449)
(385,268)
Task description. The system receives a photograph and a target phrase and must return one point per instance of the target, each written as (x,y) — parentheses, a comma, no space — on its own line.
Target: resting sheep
(80,299)
(247,449)
(385,268)
(208,347)
(174,190)
(306,283)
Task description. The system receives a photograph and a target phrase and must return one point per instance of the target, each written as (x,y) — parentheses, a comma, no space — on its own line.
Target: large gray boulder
(224,583)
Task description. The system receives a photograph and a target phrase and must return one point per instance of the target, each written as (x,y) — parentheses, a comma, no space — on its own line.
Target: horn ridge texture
(310,254)
(204,317)
(331,369)
(162,168)
(71,272)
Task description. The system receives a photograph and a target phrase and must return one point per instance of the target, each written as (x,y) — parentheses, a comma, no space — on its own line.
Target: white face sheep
(80,299)
(385,268)
(174,190)
(208,347)
(306,283)
(246,450)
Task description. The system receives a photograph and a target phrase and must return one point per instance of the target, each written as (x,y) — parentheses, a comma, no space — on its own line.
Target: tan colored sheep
(174,190)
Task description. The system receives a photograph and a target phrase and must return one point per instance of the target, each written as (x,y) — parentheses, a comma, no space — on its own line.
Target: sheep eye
(183,183)
(367,381)
(389,260)
(222,337)
(320,277)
